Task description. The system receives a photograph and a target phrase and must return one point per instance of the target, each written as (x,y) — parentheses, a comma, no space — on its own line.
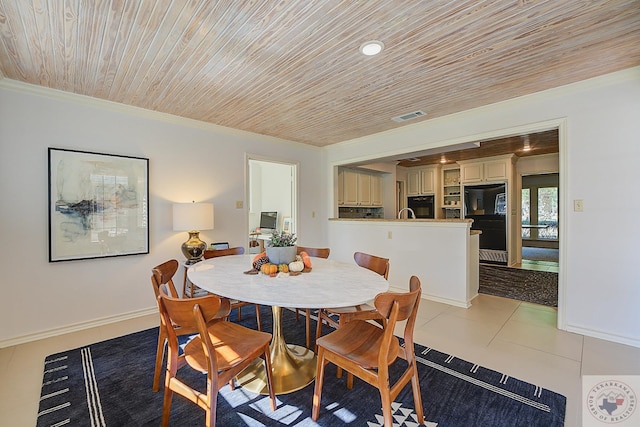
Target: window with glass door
(540,209)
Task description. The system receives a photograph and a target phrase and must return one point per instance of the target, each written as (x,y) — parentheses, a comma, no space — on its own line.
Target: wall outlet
(578,205)
(389,235)
(239,204)
(313,214)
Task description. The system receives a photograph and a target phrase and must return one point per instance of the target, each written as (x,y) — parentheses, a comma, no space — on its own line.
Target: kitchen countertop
(403,220)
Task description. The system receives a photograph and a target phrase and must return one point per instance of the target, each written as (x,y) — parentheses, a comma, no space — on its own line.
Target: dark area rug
(109,384)
(539,287)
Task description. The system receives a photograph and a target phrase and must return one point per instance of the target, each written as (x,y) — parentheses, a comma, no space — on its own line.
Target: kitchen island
(443,253)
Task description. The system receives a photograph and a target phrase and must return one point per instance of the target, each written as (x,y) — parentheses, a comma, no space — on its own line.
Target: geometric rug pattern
(109,384)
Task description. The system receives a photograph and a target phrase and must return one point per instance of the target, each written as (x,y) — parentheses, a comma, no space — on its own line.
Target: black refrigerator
(486,204)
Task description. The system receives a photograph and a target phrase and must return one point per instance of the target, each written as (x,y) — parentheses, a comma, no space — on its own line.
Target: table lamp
(193,217)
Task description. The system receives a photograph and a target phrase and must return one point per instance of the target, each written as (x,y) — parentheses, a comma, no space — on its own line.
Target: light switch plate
(578,205)
(239,204)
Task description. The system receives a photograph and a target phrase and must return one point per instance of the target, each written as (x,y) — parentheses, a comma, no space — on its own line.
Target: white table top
(329,284)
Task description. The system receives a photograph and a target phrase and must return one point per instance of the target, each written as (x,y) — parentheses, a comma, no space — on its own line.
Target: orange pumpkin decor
(270,269)
(305,259)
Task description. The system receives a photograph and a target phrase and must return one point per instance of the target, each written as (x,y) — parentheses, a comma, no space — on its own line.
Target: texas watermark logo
(611,401)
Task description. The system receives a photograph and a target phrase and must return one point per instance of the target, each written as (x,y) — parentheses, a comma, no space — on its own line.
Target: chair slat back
(212,253)
(314,252)
(406,303)
(207,346)
(162,277)
(374,263)
(396,308)
(180,310)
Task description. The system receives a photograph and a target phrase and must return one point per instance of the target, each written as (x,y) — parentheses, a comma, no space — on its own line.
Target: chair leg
(317,390)
(159,357)
(258,320)
(239,314)
(386,406)
(166,403)
(417,397)
(319,327)
(307,326)
(210,411)
(267,367)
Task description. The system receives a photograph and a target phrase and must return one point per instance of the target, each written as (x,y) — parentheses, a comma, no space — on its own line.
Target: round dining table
(329,284)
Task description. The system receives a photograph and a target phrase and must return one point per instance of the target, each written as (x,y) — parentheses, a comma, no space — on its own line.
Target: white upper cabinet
(495,169)
(350,183)
(340,187)
(422,180)
(413,182)
(359,188)
(376,190)
(364,189)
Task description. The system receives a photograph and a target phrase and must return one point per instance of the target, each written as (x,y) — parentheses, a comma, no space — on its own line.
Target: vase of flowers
(282,248)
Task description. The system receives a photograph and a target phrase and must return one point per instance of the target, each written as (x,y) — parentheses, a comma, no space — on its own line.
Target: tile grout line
(504,324)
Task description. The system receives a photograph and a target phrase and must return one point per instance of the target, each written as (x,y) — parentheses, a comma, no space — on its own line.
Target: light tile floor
(517,338)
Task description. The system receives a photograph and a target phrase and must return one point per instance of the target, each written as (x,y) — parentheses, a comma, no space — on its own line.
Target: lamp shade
(192,216)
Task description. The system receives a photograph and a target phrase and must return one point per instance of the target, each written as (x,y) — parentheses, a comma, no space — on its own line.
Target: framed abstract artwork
(286,224)
(98,205)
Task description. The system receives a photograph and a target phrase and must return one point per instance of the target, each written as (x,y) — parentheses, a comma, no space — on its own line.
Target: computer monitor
(268,220)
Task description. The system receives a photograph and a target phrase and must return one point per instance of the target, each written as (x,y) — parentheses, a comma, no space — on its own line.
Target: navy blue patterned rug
(109,384)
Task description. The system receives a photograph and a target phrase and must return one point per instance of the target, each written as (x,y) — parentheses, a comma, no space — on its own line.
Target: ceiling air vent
(409,116)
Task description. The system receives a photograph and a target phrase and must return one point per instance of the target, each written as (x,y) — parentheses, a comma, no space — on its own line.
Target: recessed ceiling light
(371,47)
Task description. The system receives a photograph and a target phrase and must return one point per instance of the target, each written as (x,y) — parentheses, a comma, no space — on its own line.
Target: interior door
(272,188)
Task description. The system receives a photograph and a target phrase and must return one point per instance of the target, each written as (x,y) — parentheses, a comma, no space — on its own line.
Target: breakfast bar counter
(443,253)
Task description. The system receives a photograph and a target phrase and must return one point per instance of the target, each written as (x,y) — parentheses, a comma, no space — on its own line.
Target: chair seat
(362,308)
(359,342)
(233,344)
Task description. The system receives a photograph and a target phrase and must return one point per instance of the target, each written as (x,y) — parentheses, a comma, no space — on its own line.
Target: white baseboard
(604,336)
(76,327)
(456,303)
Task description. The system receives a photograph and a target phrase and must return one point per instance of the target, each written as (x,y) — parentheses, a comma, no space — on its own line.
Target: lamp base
(193,248)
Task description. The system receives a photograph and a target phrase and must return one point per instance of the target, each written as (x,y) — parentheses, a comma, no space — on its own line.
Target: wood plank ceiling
(292,70)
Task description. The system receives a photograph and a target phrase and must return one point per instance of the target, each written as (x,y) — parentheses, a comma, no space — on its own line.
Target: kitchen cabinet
(376,190)
(350,187)
(451,201)
(364,189)
(359,188)
(496,169)
(340,187)
(421,181)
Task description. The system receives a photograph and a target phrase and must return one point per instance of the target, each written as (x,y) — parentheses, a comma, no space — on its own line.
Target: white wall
(187,161)
(599,121)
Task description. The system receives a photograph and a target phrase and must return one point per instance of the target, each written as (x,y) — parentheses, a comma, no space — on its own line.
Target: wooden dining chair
(235,304)
(318,253)
(162,282)
(221,350)
(363,311)
(366,350)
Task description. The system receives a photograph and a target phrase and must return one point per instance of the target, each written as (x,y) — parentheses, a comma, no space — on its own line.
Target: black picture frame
(98,205)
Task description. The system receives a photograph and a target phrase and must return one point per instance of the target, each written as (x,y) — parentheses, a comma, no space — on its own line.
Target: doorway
(272,188)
